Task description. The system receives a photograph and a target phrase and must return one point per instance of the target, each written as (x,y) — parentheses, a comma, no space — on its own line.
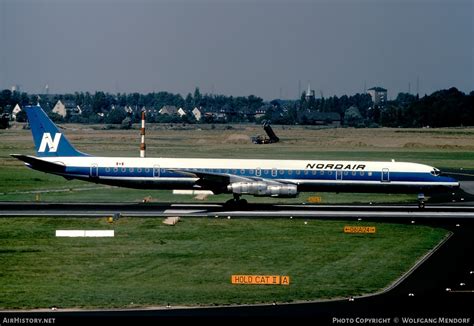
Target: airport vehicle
(272,137)
(273,178)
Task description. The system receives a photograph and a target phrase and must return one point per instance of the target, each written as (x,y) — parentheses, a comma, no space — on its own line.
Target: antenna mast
(142,133)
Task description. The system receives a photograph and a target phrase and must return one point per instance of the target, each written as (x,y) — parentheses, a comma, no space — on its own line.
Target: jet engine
(263,189)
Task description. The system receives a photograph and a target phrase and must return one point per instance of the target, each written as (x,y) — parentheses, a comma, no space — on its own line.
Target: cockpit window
(435,172)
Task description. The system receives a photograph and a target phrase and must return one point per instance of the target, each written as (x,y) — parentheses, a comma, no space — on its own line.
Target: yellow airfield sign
(314,199)
(260,279)
(360,229)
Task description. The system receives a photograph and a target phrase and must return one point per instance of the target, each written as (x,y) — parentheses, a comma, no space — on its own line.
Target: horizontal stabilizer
(39,164)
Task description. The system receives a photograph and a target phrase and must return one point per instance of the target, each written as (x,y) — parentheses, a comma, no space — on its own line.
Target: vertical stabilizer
(49,141)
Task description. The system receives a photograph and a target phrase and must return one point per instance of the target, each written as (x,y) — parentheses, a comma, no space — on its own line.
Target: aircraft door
(385,175)
(156,171)
(338,174)
(94,171)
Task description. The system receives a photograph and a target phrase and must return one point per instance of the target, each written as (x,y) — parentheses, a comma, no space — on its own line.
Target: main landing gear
(236,202)
(421,200)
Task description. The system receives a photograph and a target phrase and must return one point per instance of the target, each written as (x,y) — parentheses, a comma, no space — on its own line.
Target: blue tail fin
(49,141)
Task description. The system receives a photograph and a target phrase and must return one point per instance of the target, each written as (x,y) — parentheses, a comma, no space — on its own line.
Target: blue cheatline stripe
(266,174)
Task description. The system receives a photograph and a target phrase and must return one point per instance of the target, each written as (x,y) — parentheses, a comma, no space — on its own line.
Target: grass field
(438,147)
(150,264)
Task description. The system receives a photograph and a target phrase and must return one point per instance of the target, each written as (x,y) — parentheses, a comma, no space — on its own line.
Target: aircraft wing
(221,178)
(216,181)
(39,164)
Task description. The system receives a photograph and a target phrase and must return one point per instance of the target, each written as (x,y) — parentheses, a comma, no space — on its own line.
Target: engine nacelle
(263,189)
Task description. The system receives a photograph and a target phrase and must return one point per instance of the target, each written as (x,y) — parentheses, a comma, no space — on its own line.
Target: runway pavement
(450,212)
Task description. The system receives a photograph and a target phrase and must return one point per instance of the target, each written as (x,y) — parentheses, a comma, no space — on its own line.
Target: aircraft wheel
(235,203)
(242,202)
(230,203)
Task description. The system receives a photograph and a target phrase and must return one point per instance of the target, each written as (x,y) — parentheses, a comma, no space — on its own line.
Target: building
(320,118)
(261,111)
(64,107)
(181,112)
(309,95)
(170,110)
(218,114)
(379,96)
(197,114)
(16,110)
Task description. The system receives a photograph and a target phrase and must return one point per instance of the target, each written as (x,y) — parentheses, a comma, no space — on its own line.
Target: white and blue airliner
(273,178)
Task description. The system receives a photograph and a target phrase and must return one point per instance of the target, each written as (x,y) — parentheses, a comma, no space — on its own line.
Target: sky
(271,49)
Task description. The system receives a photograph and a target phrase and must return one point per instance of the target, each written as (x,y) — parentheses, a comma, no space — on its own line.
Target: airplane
(257,177)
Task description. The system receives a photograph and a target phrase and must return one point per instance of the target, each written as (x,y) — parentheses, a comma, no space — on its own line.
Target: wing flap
(211,177)
(221,180)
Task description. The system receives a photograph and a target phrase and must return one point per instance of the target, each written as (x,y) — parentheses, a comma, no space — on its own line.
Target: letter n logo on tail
(52,144)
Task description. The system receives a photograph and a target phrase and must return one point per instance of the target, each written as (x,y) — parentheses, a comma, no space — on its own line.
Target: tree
(100,102)
(116,116)
(197,97)
(188,102)
(21,116)
(405,99)
(5,98)
(353,118)
(126,123)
